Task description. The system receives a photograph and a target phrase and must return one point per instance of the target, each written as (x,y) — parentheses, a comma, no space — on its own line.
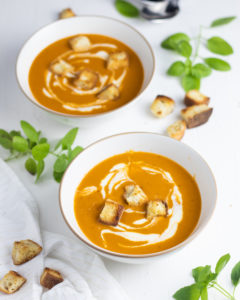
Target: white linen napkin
(85,276)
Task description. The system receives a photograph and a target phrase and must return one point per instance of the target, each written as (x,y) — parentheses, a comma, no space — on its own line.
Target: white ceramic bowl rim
(136,256)
(90,115)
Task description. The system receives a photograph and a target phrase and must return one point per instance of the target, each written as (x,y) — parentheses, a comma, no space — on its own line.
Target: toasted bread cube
(110,92)
(134,195)
(50,278)
(80,43)
(11,282)
(196,115)
(24,251)
(60,67)
(86,79)
(156,208)
(117,60)
(162,106)
(177,130)
(111,213)
(66,13)
(194,97)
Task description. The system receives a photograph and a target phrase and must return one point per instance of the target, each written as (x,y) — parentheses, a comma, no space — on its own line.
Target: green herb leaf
(43,140)
(217,64)
(69,138)
(126,9)
(204,294)
(31,166)
(75,152)
(15,133)
(190,292)
(176,69)
(60,165)
(40,168)
(222,263)
(201,70)
(222,21)
(5,143)
(5,134)
(39,152)
(190,82)
(30,132)
(188,66)
(19,144)
(184,48)
(58,176)
(172,41)
(219,46)
(235,275)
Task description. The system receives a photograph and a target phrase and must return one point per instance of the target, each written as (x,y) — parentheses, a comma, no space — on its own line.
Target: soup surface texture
(159,178)
(62,92)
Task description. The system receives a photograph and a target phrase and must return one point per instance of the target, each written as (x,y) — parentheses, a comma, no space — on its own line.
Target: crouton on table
(24,251)
(177,130)
(50,278)
(86,79)
(162,106)
(134,195)
(156,208)
(11,282)
(111,213)
(80,43)
(117,60)
(66,13)
(196,115)
(194,97)
(60,67)
(110,92)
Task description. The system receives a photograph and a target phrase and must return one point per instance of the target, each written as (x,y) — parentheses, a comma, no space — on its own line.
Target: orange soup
(85,74)
(161,213)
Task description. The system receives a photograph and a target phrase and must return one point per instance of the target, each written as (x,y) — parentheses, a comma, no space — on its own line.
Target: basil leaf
(188,66)
(222,263)
(190,82)
(126,9)
(40,168)
(69,138)
(222,21)
(19,144)
(172,41)
(39,152)
(219,46)
(190,292)
(58,176)
(201,70)
(14,133)
(75,152)
(217,64)
(204,294)
(5,143)
(184,48)
(31,166)
(60,165)
(30,132)
(176,69)
(235,275)
(5,134)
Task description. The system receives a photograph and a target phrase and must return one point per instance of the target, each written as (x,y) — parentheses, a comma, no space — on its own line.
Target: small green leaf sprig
(37,148)
(126,9)
(205,279)
(190,72)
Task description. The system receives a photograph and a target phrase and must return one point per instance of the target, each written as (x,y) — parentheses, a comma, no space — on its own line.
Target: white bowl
(86,25)
(147,142)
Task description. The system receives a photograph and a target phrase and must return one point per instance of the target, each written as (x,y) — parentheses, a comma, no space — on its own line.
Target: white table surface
(217,141)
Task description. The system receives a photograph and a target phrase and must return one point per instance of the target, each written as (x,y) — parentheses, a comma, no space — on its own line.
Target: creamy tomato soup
(85,74)
(137,230)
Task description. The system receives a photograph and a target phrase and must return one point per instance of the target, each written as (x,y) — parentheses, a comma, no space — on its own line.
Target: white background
(217,141)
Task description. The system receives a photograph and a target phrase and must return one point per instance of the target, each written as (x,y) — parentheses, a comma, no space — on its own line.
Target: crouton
(86,79)
(177,129)
(117,60)
(196,115)
(80,43)
(60,67)
(50,278)
(194,97)
(66,13)
(156,208)
(162,106)
(134,195)
(11,282)
(24,251)
(111,213)
(110,92)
